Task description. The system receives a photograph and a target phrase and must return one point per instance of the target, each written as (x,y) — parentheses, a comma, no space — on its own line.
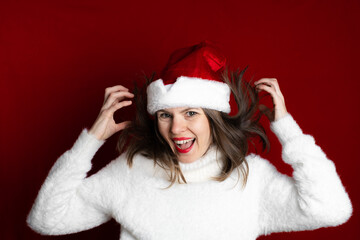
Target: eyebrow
(185,110)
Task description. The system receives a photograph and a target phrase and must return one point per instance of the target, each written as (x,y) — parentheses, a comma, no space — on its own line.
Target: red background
(57,57)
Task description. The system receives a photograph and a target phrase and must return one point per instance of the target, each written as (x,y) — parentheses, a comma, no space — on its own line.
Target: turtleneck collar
(203,169)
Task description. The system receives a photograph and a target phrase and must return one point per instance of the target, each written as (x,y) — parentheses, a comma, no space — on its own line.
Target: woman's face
(186,130)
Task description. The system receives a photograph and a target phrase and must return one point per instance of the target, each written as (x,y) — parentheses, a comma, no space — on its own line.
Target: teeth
(183,141)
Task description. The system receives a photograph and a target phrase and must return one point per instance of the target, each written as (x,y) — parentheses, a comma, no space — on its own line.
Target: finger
(116,97)
(270,82)
(122,125)
(116,88)
(267,88)
(279,103)
(119,105)
(262,80)
(277,99)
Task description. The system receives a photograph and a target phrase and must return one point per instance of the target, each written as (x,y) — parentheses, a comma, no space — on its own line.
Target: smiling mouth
(184,146)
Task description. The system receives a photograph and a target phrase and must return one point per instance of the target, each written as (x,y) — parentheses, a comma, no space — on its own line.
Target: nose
(178,125)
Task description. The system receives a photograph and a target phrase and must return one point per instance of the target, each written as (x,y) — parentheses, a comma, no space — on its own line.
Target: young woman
(186,172)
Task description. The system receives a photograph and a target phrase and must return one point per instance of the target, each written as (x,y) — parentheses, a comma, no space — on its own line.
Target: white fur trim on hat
(188,92)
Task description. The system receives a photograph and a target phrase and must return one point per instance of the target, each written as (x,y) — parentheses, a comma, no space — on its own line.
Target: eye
(164,115)
(191,113)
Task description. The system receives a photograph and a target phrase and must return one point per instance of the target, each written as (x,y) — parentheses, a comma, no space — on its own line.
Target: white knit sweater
(137,197)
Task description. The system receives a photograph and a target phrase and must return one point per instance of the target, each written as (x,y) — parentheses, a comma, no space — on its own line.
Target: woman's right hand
(105,125)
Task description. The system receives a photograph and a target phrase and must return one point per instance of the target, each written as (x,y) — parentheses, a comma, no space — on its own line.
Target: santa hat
(191,78)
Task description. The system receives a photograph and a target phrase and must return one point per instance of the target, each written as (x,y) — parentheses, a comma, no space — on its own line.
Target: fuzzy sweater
(138,197)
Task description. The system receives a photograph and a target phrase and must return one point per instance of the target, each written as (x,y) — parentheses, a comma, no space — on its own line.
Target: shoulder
(258,164)
(120,164)
(261,171)
(119,173)
(140,166)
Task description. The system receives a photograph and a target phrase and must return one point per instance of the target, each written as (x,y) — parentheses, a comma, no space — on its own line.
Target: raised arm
(69,202)
(314,197)
(59,207)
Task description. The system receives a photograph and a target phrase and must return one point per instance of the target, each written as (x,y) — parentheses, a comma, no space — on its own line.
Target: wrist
(286,128)
(95,134)
(280,116)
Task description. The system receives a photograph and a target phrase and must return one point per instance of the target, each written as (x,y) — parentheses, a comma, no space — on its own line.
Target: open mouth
(185,145)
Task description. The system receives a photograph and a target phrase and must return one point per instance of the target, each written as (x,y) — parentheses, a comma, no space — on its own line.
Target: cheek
(207,135)
(204,132)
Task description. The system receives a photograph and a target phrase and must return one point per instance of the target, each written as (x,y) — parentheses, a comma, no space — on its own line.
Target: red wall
(57,57)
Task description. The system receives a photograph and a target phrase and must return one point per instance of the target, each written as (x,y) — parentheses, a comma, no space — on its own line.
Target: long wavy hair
(230,134)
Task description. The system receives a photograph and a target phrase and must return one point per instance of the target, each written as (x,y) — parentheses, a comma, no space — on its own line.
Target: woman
(186,173)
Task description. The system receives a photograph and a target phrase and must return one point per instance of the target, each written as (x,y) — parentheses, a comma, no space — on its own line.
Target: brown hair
(231,134)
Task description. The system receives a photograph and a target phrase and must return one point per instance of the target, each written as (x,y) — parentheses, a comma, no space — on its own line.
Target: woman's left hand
(271,86)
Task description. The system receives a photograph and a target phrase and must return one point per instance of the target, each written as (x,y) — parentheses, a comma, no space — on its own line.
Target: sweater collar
(205,168)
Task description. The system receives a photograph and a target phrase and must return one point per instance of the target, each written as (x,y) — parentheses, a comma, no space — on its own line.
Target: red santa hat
(191,78)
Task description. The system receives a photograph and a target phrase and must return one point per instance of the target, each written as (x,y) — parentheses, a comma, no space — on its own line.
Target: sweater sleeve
(314,197)
(64,204)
